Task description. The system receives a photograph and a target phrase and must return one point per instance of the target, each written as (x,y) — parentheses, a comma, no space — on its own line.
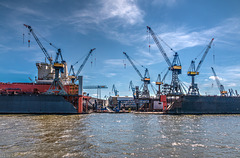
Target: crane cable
(46,40)
(83,57)
(166,44)
(148,37)
(23,34)
(213,53)
(200,53)
(137,62)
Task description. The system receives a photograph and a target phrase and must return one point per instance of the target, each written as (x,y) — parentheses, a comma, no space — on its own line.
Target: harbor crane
(220,86)
(114,89)
(133,89)
(39,43)
(193,89)
(175,66)
(145,79)
(56,86)
(231,92)
(98,87)
(73,76)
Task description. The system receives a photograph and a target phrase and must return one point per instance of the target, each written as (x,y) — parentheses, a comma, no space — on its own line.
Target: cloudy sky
(117,26)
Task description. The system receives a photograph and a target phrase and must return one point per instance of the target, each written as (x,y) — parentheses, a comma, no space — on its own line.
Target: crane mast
(220,86)
(145,79)
(159,83)
(193,88)
(175,66)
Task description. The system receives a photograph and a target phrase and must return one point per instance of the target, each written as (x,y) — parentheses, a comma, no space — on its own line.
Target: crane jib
(159,46)
(39,43)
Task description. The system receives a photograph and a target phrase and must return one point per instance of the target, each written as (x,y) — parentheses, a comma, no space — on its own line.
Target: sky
(114,27)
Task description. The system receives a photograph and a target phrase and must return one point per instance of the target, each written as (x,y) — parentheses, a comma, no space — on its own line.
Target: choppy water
(119,135)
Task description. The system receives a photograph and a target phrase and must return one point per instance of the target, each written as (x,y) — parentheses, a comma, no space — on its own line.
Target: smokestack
(80,85)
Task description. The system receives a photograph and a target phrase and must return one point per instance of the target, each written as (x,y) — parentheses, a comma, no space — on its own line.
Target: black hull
(204,105)
(35,104)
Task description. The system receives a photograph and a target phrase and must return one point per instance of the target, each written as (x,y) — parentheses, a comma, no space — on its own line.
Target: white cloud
(231,85)
(20,8)
(181,37)
(127,10)
(213,78)
(119,12)
(110,74)
(115,62)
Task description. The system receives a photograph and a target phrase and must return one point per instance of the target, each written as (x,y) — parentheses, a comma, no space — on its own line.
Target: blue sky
(120,25)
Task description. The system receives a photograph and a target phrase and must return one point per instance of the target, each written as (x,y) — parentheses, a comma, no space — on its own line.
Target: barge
(187,104)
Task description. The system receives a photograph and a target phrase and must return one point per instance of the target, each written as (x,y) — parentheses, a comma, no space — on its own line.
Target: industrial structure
(145,79)
(133,88)
(114,89)
(52,68)
(175,66)
(73,76)
(159,83)
(220,86)
(97,87)
(55,90)
(193,88)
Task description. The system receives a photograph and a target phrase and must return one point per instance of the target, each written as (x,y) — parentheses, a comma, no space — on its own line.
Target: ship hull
(35,104)
(204,105)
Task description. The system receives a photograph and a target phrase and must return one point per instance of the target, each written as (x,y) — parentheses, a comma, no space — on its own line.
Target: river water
(119,135)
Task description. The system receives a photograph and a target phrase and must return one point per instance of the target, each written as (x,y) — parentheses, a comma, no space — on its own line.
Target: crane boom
(220,86)
(204,55)
(138,72)
(39,43)
(159,46)
(84,62)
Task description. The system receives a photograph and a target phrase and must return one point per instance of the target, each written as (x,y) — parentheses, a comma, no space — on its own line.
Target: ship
(191,104)
(31,98)
(187,104)
(36,104)
(52,92)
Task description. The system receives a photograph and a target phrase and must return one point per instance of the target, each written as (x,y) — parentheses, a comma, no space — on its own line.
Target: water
(119,135)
